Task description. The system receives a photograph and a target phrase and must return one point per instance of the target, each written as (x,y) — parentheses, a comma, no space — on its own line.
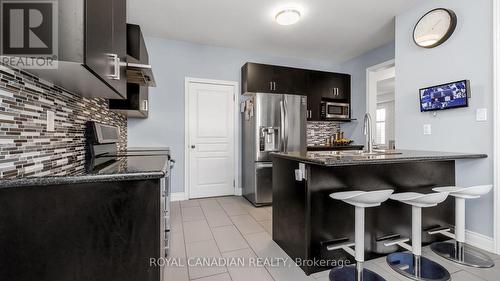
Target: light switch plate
(427,129)
(50,121)
(482,114)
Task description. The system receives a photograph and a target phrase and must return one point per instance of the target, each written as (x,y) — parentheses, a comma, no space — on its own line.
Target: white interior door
(211,139)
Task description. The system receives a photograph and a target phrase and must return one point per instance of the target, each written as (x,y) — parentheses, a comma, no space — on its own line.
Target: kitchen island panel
(290,210)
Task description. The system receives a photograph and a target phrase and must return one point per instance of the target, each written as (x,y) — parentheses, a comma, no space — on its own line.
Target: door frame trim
(373,74)
(370,71)
(187,80)
(496,124)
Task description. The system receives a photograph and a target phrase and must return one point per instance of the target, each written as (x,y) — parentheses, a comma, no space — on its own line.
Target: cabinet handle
(271,86)
(116,67)
(274,86)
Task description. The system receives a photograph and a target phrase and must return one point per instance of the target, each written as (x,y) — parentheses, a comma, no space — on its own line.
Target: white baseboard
(178,196)
(182,196)
(480,241)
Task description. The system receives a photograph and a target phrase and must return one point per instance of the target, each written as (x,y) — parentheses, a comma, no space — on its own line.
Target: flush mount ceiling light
(287,16)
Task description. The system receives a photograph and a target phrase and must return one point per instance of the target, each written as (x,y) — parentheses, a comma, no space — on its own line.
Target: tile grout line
(215,240)
(184,238)
(268,272)
(471,273)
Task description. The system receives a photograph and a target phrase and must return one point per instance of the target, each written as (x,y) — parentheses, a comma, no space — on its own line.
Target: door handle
(285,110)
(116,67)
(282,125)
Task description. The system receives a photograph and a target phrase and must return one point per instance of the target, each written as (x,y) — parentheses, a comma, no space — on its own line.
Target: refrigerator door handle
(282,125)
(286,124)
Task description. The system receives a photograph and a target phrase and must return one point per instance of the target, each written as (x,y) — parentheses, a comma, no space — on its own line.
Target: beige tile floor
(230,227)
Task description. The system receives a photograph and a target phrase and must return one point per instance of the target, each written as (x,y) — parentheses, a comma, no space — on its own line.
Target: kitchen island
(306,220)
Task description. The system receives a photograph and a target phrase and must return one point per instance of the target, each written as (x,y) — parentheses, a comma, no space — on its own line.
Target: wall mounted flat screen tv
(446,96)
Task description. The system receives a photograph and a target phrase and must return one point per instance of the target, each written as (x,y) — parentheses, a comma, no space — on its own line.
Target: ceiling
(335,30)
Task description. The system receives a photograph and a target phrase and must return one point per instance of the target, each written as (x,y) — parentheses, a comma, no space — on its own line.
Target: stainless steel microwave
(335,110)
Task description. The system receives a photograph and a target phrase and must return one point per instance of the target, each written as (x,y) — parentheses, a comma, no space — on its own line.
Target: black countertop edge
(405,156)
(94,178)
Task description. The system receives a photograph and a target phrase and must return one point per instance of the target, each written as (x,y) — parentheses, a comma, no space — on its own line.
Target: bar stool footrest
(446,231)
(340,246)
(396,241)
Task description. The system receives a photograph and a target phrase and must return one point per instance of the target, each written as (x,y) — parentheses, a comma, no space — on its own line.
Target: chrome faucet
(368,133)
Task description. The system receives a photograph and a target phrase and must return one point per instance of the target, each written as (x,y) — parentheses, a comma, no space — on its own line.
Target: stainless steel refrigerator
(271,123)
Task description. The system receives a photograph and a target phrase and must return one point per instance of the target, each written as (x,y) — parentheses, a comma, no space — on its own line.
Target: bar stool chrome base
(348,273)
(406,263)
(462,254)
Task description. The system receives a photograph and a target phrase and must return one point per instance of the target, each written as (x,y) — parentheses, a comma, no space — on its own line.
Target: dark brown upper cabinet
(92,57)
(137,103)
(326,86)
(263,78)
(106,41)
(317,85)
(330,86)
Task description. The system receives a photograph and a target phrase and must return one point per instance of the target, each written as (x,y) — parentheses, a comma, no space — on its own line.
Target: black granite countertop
(335,147)
(346,158)
(121,168)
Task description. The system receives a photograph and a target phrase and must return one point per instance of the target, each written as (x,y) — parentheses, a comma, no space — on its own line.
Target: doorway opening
(380,102)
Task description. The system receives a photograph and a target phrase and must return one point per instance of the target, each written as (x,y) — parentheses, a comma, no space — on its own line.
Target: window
(380,126)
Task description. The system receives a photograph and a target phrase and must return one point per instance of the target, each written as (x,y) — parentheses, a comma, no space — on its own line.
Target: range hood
(139,71)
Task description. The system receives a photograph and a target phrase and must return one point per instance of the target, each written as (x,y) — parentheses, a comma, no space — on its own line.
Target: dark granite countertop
(346,158)
(335,147)
(124,168)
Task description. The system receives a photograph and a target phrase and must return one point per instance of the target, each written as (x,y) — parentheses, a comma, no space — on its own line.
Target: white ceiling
(335,30)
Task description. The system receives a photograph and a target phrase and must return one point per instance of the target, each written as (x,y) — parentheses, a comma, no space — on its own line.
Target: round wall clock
(434,28)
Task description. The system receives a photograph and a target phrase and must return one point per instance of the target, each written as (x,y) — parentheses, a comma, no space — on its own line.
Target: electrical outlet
(482,114)
(50,121)
(427,129)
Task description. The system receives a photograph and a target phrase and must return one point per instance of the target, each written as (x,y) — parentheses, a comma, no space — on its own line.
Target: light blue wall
(357,68)
(466,55)
(172,61)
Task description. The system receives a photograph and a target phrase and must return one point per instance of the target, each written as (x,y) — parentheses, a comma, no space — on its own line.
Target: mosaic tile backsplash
(26,147)
(317,132)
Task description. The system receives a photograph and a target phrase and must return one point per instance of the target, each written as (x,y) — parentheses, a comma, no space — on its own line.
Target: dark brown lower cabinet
(80,232)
